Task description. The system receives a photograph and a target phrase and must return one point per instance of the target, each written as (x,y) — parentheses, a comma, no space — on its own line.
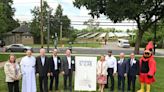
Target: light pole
(48,32)
(61,28)
(155,27)
(41,23)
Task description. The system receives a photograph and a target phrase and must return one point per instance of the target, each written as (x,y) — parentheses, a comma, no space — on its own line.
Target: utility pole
(48,32)
(41,24)
(155,29)
(61,25)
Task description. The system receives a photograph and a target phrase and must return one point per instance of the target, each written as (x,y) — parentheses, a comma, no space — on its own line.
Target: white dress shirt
(69,62)
(55,62)
(112,62)
(132,61)
(43,60)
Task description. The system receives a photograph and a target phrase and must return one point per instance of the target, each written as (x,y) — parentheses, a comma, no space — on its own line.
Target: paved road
(103,50)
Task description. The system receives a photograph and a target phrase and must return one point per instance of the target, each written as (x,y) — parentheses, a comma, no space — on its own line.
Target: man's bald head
(42,52)
(122,55)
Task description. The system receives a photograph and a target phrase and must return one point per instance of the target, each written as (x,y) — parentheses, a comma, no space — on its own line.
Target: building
(19,35)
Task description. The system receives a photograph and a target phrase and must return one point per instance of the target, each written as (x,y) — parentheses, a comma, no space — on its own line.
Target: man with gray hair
(122,71)
(43,70)
(67,68)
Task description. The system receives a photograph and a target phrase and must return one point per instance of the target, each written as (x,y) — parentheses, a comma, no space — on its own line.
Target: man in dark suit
(122,72)
(43,70)
(133,68)
(55,65)
(68,66)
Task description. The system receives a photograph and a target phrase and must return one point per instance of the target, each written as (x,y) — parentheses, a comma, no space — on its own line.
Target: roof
(102,35)
(110,34)
(27,34)
(21,29)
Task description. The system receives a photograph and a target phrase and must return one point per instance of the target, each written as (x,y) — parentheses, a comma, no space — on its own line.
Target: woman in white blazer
(12,72)
(102,73)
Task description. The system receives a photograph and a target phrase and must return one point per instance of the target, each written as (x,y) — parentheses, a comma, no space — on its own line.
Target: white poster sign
(85,74)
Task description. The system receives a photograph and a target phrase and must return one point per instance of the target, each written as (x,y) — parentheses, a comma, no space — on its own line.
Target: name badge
(134,61)
(59,61)
(119,61)
(73,62)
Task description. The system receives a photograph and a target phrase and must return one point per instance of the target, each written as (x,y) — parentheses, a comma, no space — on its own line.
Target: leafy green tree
(140,11)
(7,23)
(35,24)
(60,19)
(55,22)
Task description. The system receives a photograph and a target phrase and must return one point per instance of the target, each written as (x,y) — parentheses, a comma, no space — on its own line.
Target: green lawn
(4,57)
(158,86)
(93,45)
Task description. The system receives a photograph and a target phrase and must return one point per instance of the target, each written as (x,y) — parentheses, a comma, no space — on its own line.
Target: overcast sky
(23,13)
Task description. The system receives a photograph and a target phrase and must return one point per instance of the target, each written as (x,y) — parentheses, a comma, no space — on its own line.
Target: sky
(23,13)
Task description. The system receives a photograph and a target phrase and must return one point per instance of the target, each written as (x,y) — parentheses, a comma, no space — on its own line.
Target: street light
(41,24)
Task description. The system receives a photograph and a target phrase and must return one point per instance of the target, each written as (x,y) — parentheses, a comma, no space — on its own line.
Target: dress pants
(56,76)
(66,77)
(13,86)
(131,81)
(43,83)
(110,74)
(121,83)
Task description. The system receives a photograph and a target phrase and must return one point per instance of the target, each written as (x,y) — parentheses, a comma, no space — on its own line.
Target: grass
(92,45)
(4,57)
(156,87)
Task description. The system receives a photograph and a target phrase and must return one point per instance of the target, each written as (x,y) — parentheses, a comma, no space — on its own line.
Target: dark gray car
(17,48)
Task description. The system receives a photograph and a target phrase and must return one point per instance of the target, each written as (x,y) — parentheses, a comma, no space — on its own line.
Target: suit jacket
(52,64)
(42,69)
(134,69)
(122,67)
(65,65)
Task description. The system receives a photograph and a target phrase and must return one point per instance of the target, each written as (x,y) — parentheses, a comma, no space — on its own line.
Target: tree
(92,24)
(140,11)
(35,24)
(60,18)
(7,23)
(55,21)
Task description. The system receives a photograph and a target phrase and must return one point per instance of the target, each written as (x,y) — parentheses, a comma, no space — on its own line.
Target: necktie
(131,62)
(121,61)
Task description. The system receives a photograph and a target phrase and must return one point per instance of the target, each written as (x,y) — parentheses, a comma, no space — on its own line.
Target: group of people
(45,67)
(108,67)
(42,67)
